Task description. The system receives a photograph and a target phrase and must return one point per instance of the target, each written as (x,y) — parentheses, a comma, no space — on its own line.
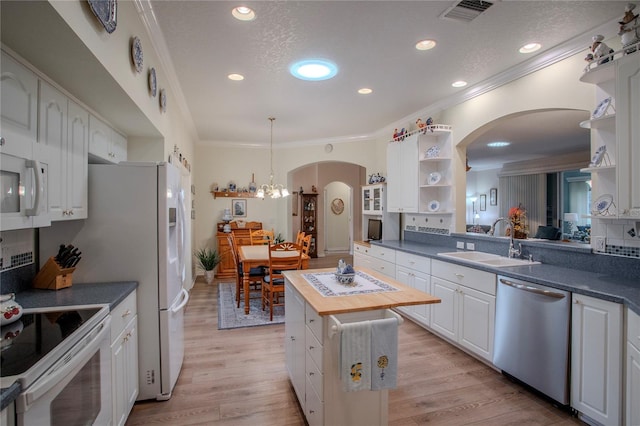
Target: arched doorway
(338,231)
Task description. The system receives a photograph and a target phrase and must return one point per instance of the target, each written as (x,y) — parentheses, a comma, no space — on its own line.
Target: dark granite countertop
(617,289)
(111,293)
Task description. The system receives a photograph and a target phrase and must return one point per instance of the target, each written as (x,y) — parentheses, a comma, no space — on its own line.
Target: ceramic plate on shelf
(602,204)
(601,108)
(433,152)
(434,178)
(106,12)
(434,205)
(153,87)
(136,54)
(596,160)
(163,100)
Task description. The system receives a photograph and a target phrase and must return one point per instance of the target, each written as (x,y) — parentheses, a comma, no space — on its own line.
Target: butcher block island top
(391,295)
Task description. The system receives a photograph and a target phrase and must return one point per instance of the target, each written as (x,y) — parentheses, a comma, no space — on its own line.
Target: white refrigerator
(136,232)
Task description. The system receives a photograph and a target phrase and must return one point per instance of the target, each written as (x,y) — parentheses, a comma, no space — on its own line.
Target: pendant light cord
(271,150)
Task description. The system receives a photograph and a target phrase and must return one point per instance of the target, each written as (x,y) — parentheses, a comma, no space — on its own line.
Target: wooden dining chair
(299,237)
(306,244)
(255,274)
(261,237)
(282,257)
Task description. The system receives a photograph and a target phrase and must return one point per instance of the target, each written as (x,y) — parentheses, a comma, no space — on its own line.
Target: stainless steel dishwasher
(532,336)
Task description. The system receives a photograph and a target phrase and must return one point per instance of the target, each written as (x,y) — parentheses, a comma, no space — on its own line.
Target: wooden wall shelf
(217,194)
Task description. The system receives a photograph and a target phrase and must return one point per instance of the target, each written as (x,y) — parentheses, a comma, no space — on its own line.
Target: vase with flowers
(518,218)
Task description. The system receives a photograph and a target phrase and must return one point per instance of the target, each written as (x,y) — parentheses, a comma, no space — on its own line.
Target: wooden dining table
(252,257)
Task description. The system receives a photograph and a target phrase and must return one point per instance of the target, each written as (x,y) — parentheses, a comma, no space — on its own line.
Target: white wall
(337,227)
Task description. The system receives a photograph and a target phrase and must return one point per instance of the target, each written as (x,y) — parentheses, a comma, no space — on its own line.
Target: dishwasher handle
(532,289)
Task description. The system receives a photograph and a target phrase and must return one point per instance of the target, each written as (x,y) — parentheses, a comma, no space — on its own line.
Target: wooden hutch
(241,230)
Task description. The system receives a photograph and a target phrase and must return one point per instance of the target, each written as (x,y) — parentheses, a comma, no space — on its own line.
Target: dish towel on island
(355,356)
(384,353)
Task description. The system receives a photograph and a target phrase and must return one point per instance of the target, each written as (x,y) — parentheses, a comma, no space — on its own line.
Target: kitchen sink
(487,259)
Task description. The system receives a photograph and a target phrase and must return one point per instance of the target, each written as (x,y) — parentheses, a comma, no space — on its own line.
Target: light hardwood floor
(238,377)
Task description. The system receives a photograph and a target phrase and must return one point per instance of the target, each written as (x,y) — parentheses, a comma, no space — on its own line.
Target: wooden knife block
(53,277)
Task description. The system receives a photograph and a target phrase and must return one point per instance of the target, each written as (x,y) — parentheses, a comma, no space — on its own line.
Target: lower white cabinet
(374,257)
(312,358)
(632,403)
(8,415)
(596,359)
(124,358)
(414,271)
(466,314)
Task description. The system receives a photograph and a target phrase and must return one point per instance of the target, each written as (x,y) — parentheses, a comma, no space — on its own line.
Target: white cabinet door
(444,318)
(124,373)
(118,147)
(77,161)
(628,133)
(476,321)
(402,171)
(99,138)
(52,147)
(419,281)
(633,386)
(596,358)
(294,331)
(19,109)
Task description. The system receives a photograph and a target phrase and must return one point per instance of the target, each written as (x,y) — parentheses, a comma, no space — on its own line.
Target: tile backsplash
(18,260)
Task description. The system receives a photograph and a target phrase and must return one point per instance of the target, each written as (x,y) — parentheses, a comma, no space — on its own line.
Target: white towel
(384,353)
(355,356)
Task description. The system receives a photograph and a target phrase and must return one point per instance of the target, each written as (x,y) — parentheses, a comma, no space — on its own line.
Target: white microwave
(23,197)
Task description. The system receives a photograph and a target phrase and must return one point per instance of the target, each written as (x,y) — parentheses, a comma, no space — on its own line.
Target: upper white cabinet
(19,111)
(615,131)
(105,144)
(596,359)
(402,175)
(374,206)
(63,143)
(436,176)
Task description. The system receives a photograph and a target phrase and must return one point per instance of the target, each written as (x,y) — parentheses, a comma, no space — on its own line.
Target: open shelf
(218,194)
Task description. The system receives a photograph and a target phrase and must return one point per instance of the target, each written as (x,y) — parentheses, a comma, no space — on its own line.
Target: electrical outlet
(600,244)
(471,246)
(460,245)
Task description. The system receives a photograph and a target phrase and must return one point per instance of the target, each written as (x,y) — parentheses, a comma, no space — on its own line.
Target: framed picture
(239,208)
(493,196)
(483,202)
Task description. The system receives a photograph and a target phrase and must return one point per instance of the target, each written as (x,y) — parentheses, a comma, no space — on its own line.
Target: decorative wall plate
(434,205)
(136,54)
(433,152)
(602,204)
(601,108)
(163,100)
(106,12)
(337,206)
(434,178)
(153,86)
(596,160)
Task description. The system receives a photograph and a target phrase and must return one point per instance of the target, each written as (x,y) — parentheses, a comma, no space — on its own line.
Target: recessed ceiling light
(235,77)
(365,91)
(459,83)
(425,44)
(243,13)
(531,47)
(498,144)
(314,70)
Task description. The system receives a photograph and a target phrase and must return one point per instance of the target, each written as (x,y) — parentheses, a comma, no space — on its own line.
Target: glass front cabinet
(372,201)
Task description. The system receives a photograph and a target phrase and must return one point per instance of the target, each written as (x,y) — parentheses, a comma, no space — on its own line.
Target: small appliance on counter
(10,309)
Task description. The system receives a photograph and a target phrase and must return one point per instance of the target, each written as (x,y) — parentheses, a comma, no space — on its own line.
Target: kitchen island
(316,310)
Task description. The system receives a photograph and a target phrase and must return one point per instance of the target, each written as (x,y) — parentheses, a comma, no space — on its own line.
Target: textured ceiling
(373,44)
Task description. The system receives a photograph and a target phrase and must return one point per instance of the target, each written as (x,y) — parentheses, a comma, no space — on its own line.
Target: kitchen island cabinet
(312,347)
(596,359)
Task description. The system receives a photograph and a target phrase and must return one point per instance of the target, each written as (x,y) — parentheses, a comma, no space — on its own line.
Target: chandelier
(272,190)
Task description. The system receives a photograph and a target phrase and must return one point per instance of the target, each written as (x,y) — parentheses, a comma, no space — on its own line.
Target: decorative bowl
(10,309)
(345,279)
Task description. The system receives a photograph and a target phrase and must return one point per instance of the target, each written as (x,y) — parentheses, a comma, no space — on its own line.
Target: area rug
(231,317)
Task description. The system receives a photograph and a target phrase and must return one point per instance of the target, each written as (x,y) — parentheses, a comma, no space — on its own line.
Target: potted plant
(208,260)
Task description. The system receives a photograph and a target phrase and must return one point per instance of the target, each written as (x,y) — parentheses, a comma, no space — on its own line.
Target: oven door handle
(76,358)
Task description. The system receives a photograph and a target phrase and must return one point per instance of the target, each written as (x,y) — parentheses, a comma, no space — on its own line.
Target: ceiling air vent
(466,10)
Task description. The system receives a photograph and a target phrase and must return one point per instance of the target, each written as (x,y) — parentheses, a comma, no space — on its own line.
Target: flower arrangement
(518,217)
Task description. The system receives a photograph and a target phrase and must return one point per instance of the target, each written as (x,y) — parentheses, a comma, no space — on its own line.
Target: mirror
(549,144)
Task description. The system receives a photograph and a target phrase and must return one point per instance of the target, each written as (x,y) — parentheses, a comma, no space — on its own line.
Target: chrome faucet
(513,251)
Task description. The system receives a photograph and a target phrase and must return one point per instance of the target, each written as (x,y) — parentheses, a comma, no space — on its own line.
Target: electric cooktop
(40,337)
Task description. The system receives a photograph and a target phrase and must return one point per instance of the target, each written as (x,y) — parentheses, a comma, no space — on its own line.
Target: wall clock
(337,206)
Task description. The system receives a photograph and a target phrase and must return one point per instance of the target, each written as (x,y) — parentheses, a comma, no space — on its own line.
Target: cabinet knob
(459,275)
(311,373)
(126,314)
(311,320)
(1,141)
(311,411)
(311,348)
(293,338)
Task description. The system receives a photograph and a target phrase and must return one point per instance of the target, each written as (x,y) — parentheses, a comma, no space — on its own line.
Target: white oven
(76,390)
(23,197)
